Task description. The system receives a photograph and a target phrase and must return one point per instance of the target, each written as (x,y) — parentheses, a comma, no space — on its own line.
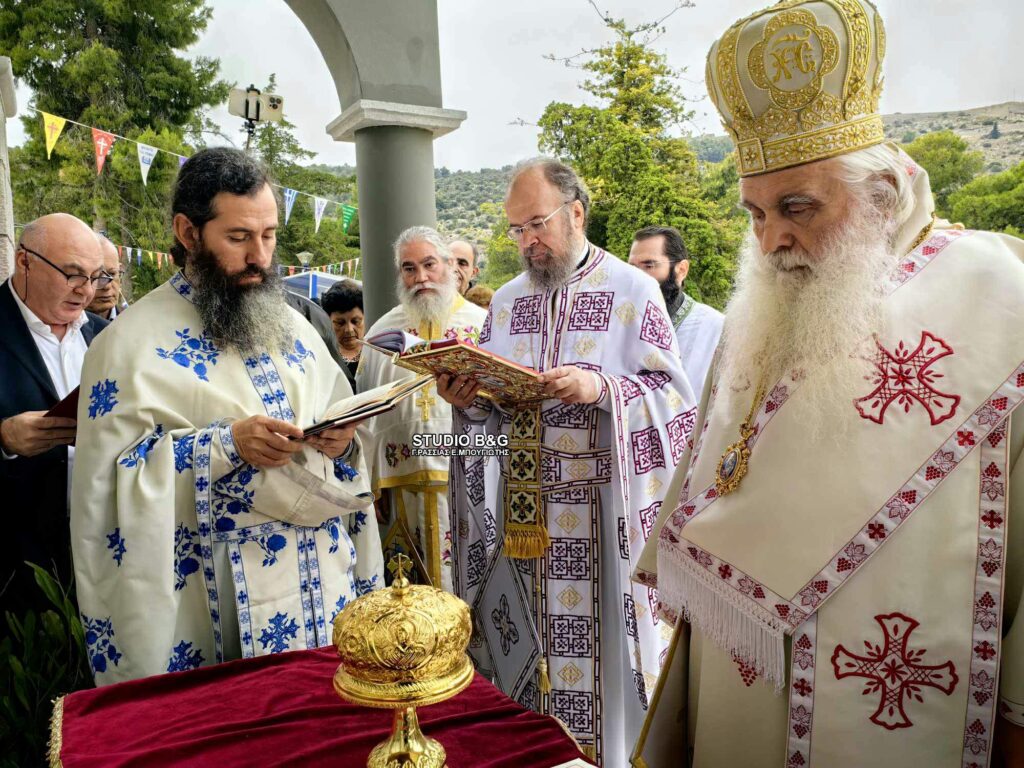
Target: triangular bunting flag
(146,155)
(289,201)
(52,127)
(181,160)
(102,142)
(138,256)
(348,212)
(319,204)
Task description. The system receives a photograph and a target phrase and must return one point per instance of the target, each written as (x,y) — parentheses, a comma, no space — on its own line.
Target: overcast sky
(941,55)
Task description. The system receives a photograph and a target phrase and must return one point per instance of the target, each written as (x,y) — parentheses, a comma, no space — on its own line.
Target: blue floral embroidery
(183,453)
(186,551)
(343,471)
(365,586)
(116,543)
(192,352)
(356,523)
(271,545)
(276,635)
(102,398)
(99,636)
(138,454)
(331,526)
(231,496)
(185,658)
(342,601)
(295,358)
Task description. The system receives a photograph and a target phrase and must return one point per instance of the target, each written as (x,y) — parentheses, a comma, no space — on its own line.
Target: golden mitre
(799,82)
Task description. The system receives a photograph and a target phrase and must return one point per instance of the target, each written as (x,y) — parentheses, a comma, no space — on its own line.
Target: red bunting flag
(102,142)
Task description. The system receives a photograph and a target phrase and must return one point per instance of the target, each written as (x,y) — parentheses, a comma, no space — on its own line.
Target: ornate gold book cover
(500,379)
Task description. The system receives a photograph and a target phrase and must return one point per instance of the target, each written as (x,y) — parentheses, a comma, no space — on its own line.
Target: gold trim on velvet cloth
(56,734)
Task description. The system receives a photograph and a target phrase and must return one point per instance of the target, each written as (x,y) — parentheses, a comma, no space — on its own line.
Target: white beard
(429,307)
(818,321)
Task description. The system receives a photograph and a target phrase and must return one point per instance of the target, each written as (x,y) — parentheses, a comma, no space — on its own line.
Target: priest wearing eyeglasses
(58,268)
(585,476)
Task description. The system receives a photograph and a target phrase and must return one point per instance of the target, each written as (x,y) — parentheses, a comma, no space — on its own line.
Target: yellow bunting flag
(52,127)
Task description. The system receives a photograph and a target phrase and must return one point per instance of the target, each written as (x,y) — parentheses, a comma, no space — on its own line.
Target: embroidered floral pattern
(186,555)
(195,352)
(137,455)
(271,545)
(184,657)
(103,398)
(115,543)
(298,353)
(232,497)
(366,586)
(99,638)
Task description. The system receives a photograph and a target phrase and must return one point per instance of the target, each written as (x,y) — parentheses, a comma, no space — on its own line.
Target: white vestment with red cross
(857,601)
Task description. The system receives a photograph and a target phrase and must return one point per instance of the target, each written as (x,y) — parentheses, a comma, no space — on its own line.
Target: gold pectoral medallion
(732,467)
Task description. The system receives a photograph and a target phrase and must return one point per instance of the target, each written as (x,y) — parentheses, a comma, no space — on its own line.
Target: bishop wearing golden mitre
(835,548)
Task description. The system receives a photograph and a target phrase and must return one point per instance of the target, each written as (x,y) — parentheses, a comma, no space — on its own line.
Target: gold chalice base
(407,747)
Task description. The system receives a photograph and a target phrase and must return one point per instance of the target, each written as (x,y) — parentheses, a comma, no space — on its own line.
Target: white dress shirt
(63,357)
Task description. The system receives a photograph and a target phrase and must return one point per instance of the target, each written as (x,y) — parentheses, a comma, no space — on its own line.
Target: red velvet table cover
(282,710)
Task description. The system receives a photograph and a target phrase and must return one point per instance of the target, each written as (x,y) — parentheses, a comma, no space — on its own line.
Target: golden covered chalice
(401,648)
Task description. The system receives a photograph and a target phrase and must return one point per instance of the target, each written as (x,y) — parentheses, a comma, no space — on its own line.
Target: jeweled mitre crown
(799,82)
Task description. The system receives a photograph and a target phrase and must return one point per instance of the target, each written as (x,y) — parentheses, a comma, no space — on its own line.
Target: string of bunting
(131,254)
(103,142)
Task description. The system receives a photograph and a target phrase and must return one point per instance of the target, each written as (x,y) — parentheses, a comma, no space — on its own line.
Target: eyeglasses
(535,227)
(75,281)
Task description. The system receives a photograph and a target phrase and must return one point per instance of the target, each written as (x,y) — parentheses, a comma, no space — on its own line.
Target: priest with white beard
(204,528)
(835,548)
(584,477)
(414,486)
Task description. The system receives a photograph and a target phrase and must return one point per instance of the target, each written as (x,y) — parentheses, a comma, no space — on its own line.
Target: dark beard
(673,293)
(250,318)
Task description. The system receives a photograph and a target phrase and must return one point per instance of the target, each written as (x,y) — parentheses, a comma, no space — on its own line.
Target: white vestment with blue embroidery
(184,554)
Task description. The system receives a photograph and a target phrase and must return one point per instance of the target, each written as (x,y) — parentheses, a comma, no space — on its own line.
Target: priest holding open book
(206,525)
(544,554)
(413,487)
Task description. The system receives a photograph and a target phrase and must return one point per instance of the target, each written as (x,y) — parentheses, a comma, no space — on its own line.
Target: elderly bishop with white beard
(204,528)
(413,488)
(835,547)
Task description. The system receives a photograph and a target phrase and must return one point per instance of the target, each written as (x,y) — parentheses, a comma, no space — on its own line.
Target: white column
(8,109)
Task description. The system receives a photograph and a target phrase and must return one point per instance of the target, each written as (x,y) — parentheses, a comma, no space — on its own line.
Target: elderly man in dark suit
(45,332)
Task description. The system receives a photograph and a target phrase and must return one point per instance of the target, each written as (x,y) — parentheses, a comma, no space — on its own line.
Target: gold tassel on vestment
(527,541)
(543,682)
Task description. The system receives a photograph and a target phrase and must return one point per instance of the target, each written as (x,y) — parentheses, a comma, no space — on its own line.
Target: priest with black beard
(205,527)
(661,253)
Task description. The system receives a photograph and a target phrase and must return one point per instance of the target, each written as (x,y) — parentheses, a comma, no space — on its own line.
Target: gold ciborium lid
(401,648)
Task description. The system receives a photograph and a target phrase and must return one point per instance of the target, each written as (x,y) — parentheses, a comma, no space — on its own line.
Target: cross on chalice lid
(399,565)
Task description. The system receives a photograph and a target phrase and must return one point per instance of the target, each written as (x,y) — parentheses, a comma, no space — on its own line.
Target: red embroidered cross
(894,671)
(904,376)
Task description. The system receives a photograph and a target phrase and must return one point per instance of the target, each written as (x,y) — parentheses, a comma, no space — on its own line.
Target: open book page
(393,340)
(369,403)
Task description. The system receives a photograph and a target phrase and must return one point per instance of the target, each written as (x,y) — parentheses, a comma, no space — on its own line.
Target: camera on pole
(255,107)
